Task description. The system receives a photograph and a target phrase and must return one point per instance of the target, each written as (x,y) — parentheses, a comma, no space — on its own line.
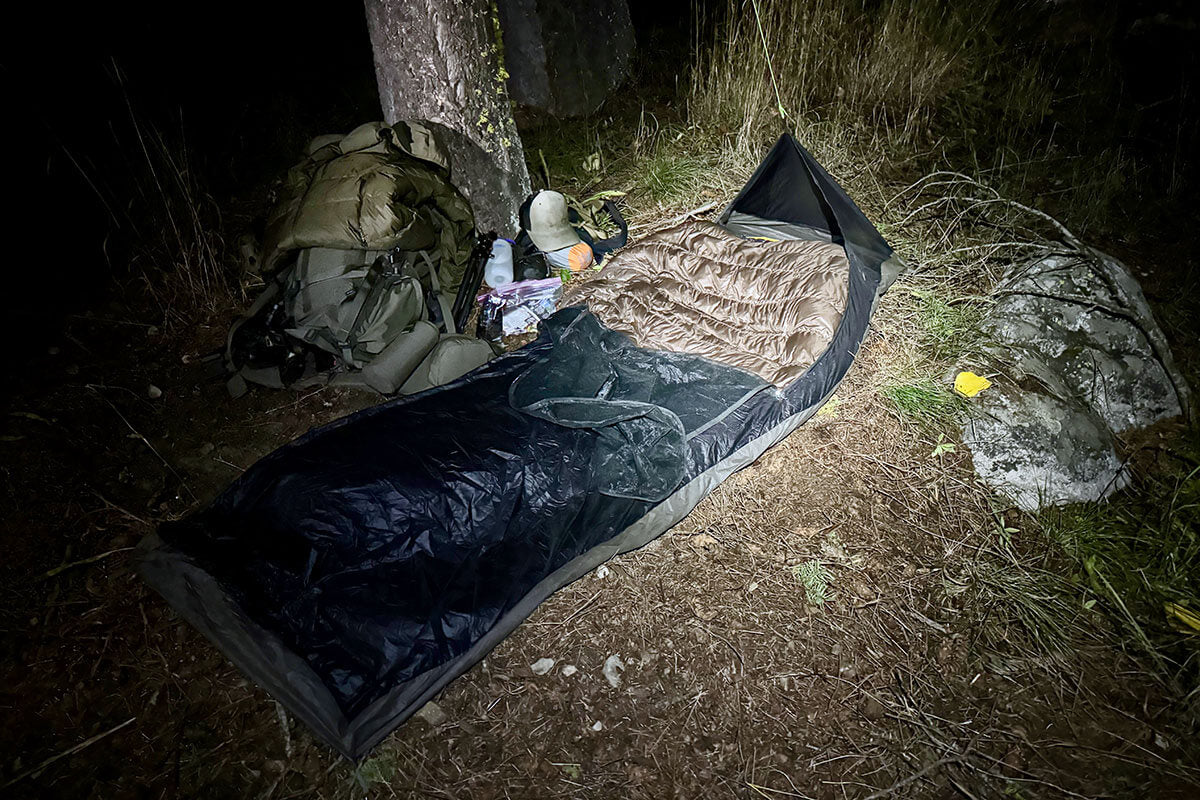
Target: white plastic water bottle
(499,267)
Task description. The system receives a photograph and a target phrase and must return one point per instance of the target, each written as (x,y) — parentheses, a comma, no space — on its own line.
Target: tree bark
(440,62)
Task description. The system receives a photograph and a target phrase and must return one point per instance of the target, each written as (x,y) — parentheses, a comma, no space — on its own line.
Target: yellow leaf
(1184,615)
(968,384)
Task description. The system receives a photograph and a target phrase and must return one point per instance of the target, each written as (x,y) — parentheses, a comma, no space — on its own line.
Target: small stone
(862,589)
(598,726)
(833,550)
(603,571)
(569,670)
(613,667)
(152,330)
(542,666)
(154,392)
(432,713)
(872,709)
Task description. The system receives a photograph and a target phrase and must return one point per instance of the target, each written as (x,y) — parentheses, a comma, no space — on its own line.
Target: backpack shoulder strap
(443,304)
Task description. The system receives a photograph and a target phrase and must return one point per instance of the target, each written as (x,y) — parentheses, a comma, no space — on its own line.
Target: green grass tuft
(921,400)
(673,178)
(813,576)
(1137,554)
(949,326)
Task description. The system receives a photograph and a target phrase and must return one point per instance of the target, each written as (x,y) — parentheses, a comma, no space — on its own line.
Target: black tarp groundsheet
(356,571)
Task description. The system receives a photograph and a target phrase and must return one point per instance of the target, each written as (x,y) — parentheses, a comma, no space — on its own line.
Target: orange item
(579,257)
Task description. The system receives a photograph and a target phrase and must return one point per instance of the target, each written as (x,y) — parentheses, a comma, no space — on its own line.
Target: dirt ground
(829,623)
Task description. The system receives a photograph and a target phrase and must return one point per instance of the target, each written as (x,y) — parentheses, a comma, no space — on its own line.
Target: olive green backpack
(353,318)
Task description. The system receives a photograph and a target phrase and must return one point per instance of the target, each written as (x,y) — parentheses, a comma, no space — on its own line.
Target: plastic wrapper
(523,304)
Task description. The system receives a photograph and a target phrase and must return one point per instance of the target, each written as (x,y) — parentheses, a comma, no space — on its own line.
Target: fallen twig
(762,790)
(686,215)
(120,509)
(916,776)
(50,573)
(138,434)
(70,751)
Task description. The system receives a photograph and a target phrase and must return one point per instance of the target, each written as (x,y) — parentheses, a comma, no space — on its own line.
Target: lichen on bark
(441,62)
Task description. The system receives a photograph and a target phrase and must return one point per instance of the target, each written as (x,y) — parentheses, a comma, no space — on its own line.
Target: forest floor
(848,617)
(852,616)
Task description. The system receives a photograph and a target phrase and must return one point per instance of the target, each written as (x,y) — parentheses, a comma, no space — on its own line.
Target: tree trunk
(439,61)
(565,56)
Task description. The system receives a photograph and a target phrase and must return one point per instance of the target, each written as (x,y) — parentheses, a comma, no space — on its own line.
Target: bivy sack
(358,570)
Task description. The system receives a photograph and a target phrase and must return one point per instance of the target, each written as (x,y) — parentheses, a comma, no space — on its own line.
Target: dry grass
(167,232)
(182,257)
(889,68)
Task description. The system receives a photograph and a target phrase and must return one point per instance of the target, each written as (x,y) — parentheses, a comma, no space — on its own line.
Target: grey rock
(433,714)
(1038,450)
(613,667)
(1074,329)
(1079,324)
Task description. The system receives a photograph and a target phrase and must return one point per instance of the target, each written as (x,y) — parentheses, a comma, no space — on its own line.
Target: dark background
(244,85)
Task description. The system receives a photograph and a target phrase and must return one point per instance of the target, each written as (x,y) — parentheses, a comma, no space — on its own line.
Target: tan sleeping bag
(767,307)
